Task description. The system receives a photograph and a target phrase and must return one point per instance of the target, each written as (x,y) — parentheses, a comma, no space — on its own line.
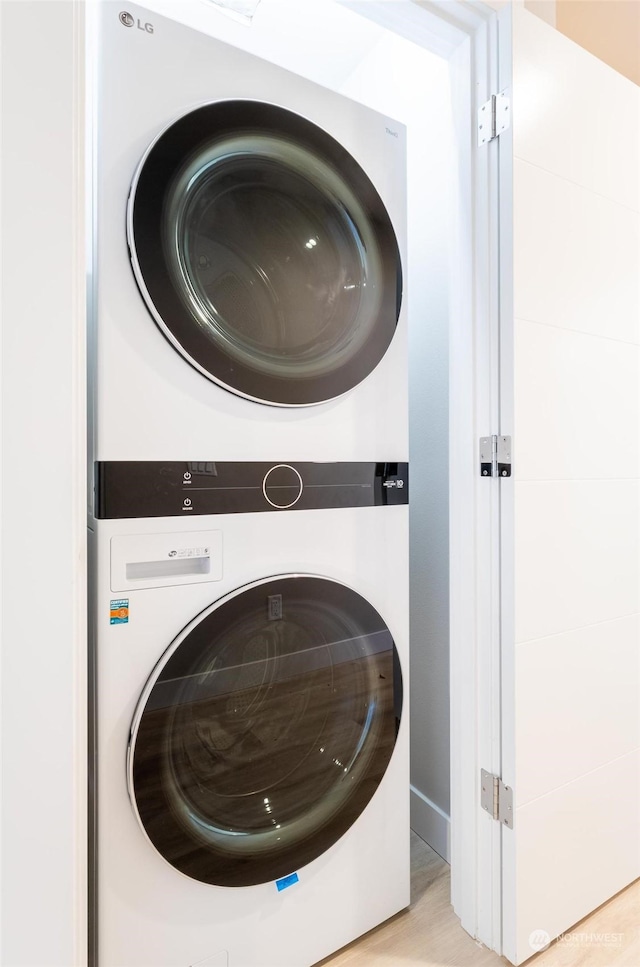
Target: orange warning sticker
(119,614)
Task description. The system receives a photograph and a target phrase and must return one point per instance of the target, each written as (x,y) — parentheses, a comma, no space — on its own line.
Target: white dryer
(248,248)
(250,718)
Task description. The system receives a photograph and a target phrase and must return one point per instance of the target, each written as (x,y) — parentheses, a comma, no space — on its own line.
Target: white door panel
(576,555)
(575,115)
(599,237)
(571,512)
(604,722)
(576,847)
(576,401)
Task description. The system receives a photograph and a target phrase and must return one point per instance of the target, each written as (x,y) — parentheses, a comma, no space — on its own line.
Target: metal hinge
(495,456)
(494,117)
(496,798)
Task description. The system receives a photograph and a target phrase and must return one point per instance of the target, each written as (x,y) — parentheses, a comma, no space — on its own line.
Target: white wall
(430,197)
(43,475)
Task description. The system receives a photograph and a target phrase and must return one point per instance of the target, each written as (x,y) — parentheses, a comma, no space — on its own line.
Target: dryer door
(265,730)
(264,253)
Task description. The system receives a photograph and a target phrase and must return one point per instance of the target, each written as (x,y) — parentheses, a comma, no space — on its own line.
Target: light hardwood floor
(429,934)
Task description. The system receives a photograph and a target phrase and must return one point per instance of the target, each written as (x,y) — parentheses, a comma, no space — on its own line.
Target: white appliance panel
(150,914)
(149,402)
(140,561)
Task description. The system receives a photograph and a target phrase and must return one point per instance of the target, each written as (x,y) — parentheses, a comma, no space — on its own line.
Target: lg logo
(128,21)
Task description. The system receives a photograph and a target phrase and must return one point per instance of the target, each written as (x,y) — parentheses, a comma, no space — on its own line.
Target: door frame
(507,504)
(43,463)
(476,43)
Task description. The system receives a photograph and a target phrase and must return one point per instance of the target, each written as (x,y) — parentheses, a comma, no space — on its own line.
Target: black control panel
(152,489)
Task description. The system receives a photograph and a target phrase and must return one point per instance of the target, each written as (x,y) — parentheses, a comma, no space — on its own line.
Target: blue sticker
(119,612)
(286,881)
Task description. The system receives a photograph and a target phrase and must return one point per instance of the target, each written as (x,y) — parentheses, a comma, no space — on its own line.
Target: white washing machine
(249,241)
(251,784)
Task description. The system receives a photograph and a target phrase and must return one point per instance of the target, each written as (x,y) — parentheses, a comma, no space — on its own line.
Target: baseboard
(431,824)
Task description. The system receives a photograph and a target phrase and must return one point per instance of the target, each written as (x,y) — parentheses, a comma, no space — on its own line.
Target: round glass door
(264,253)
(265,730)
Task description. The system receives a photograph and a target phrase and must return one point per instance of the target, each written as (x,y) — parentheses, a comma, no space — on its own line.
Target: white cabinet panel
(576,555)
(576,847)
(576,404)
(575,256)
(573,114)
(595,671)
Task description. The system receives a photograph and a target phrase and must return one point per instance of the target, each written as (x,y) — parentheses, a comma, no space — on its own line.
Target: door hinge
(496,798)
(494,117)
(495,456)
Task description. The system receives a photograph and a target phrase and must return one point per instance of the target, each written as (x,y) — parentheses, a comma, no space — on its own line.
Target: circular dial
(282,486)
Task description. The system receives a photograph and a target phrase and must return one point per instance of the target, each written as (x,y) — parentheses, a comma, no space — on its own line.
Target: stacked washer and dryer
(249,530)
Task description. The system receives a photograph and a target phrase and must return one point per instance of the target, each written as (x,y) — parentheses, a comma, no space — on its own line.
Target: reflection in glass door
(265,253)
(265,730)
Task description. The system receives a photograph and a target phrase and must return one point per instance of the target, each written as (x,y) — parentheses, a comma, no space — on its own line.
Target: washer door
(265,730)
(264,253)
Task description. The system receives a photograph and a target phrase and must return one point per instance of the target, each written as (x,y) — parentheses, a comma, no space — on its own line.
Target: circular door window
(264,253)
(265,730)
